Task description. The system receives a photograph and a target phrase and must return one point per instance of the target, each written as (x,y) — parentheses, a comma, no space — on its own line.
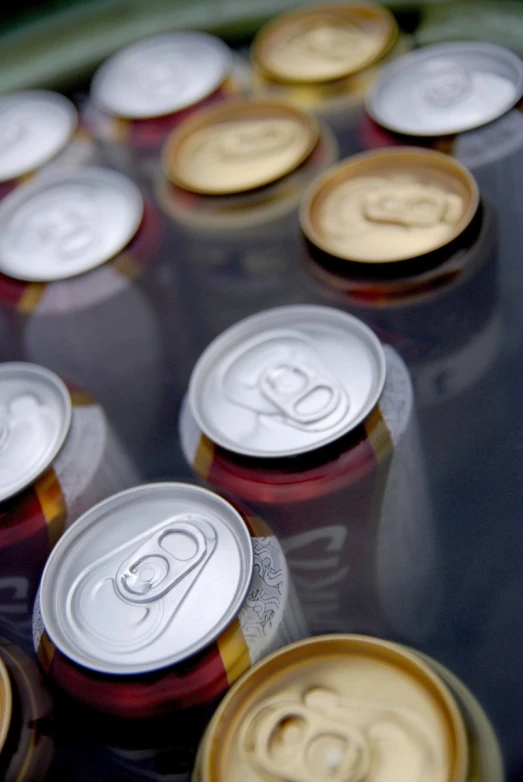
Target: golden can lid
(239,146)
(324,43)
(339,708)
(6,704)
(388,206)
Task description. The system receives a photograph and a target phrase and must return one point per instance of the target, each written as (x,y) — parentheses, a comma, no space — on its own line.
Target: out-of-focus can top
(35,416)
(161,75)
(146,578)
(321,44)
(287,381)
(6,704)
(337,708)
(65,224)
(239,146)
(35,125)
(446,88)
(389,205)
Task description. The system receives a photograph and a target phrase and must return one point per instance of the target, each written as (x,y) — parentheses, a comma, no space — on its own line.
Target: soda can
(40,132)
(26,717)
(145,90)
(178,595)
(58,457)
(349,707)
(301,414)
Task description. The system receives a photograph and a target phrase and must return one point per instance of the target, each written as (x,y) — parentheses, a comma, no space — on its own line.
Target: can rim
(6,703)
(337,172)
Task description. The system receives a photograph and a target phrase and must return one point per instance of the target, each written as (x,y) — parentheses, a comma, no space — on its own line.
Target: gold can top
(324,43)
(239,146)
(6,704)
(341,708)
(389,206)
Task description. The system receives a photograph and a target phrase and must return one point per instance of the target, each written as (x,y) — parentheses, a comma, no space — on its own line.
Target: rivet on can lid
(287,381)
(146,578)
(6,704)
(65,224)
(239,146)
(161,75)
(388,206)
(446,88)
(35,125)
(35,416)
(321,44)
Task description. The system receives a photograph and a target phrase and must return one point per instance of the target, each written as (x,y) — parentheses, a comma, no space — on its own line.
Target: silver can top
(146,578)
(35,416)
(65,224)
(35,125)
(446,88)
(287,381)
(161,75)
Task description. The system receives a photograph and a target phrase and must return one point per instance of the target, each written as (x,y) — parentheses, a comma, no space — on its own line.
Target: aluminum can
(179,594)
(349,707)
(26,717)
(40,132)
(301,414)
(58,457)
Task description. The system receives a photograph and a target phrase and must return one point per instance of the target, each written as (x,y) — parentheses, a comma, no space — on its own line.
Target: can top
(161,75)
(287,381)
(35,125)
(6,703)
(65,224)
(146,578)
(315,45)
(389,205)
(238,146)
(35,416)
(338,708)
(446,88)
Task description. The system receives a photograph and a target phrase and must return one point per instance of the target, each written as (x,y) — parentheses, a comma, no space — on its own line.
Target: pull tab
(247,140)
(408,206)
(67,232)
(152,570)
(445,83)
(300,392)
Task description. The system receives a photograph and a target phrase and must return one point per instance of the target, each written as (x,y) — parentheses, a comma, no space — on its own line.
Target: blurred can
(349,707)
(178,595)
(26,717)
(302,415)
(58,457)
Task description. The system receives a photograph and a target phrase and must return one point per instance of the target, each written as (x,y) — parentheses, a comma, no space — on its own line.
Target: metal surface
(67,224)
(35,416)
(161,75)
(446,88)
(6,704)
(35,125)
(287,381)
(146,579)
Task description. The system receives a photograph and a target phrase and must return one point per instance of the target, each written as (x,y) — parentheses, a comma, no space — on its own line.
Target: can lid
(6,703)
(161,75)
(146,578)
(35,417)
(35,125)
(65,224)
(341,708)
(239,146)
(389,205)
(287,381)
(321,44)
(446,88)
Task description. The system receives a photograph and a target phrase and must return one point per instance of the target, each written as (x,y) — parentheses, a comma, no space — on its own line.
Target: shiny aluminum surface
(35,416)
(161,75)
(66,224)
(6,703)
(446,88)
(146,578)
(35,125)
(287,381)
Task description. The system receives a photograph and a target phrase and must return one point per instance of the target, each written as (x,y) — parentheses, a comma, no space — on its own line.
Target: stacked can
(159,598)
(141,93)
(348,708)
(58,456)
(233,179)
(301,414)
(324,59)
